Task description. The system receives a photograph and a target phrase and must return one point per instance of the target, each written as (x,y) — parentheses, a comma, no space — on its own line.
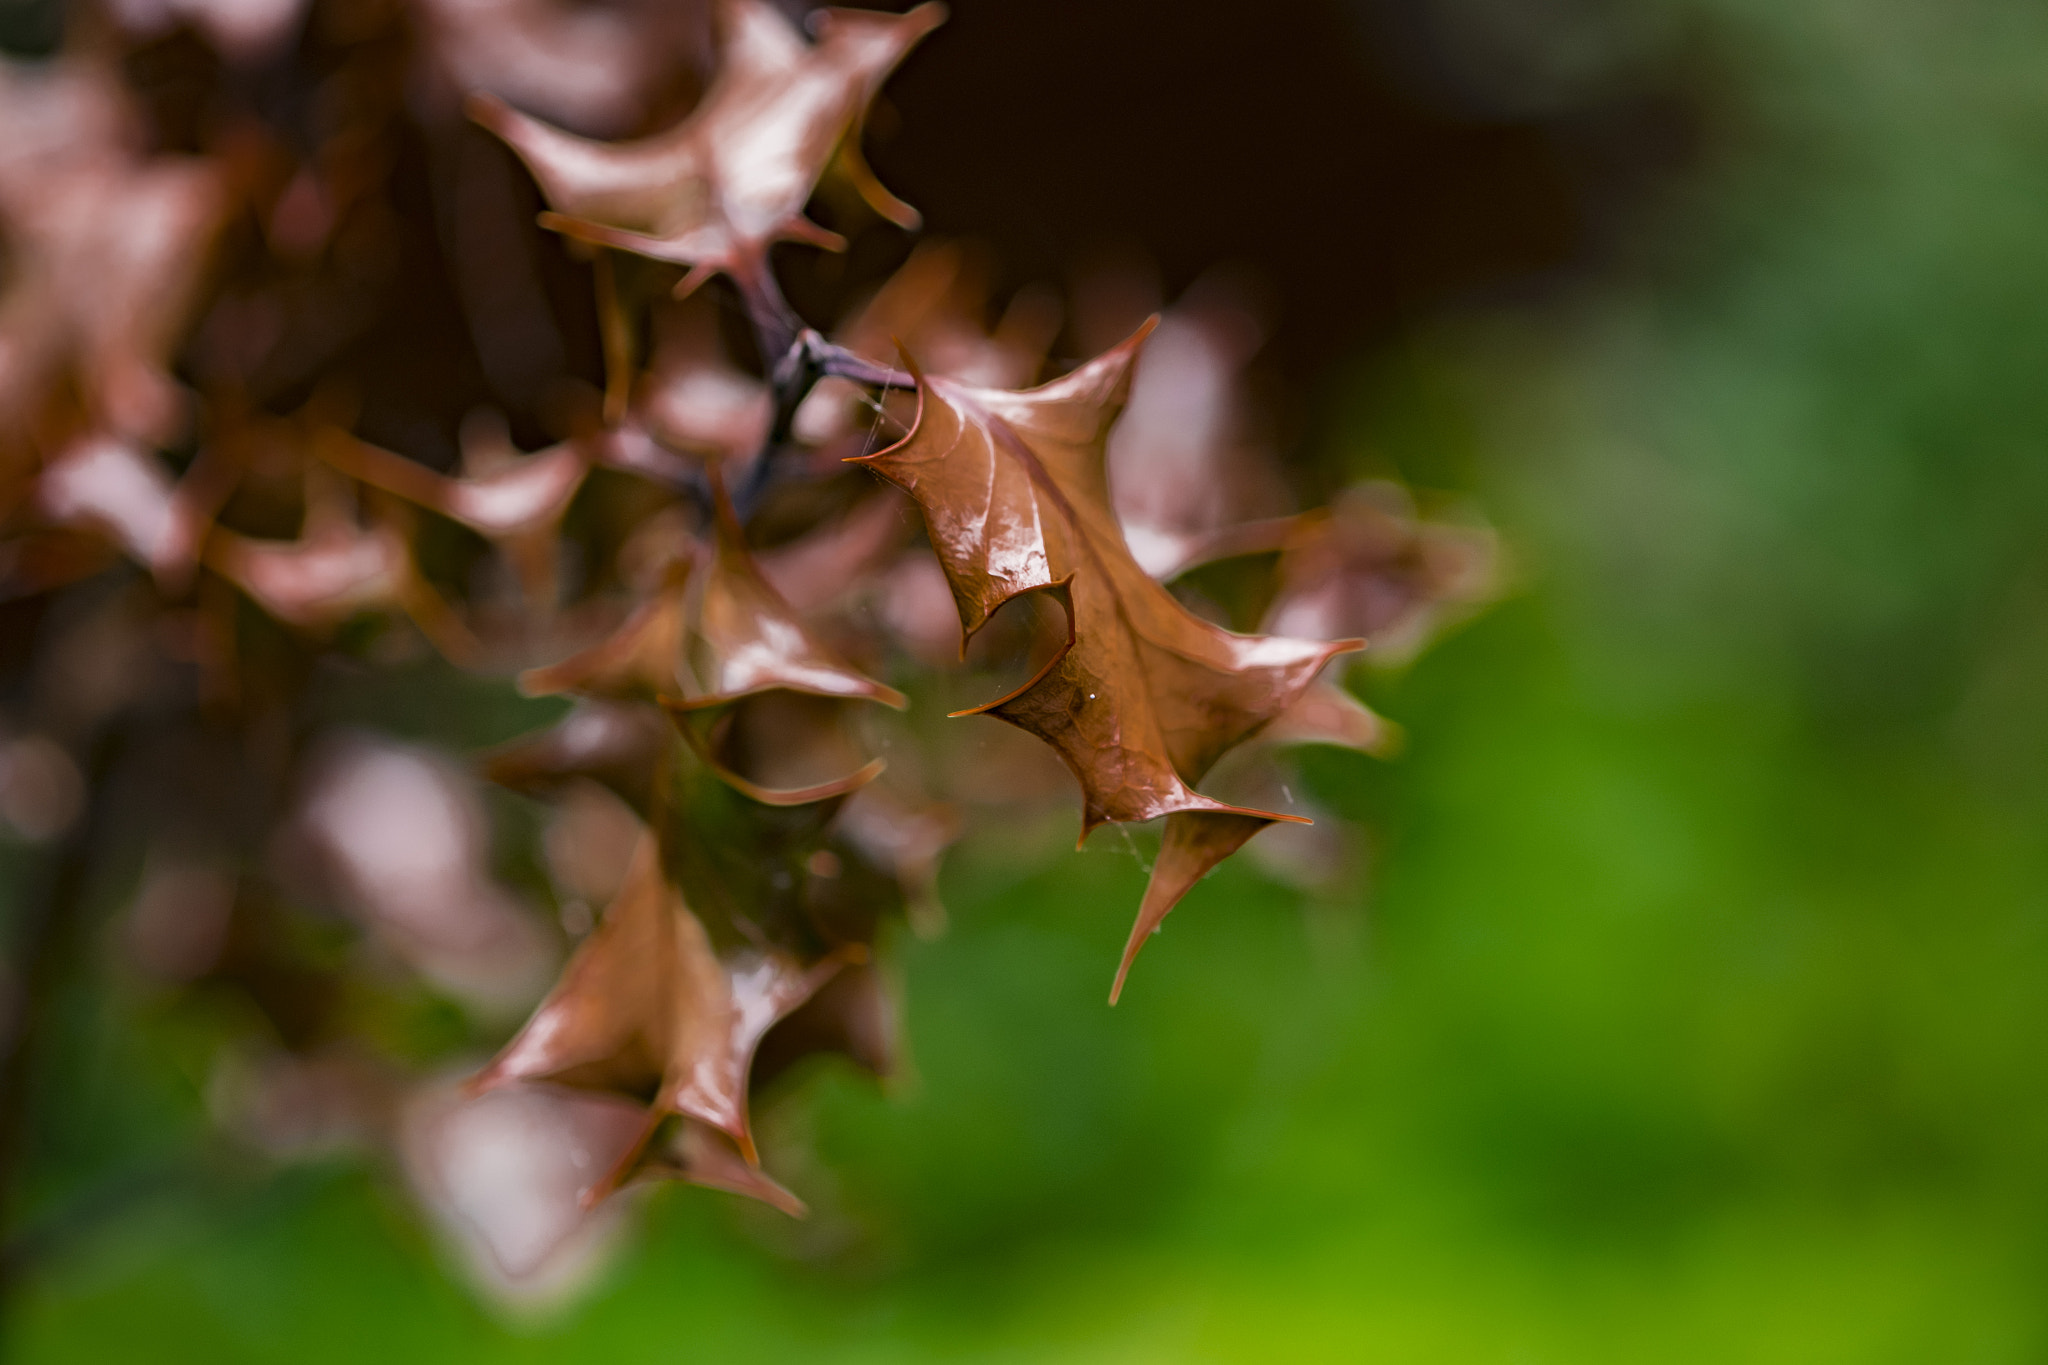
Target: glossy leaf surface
(1143,696)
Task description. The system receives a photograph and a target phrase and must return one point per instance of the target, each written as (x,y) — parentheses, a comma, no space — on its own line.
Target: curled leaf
(620,744)
(107,250)
(699,1154)
(335,571)
(1188,477)
(1143,696)
(717,190)
(1371,565)
(520,496)
(716,633)
(647,1009)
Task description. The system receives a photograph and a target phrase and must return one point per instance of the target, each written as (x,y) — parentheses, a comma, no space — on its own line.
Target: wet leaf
(1143,696)
(717,632)
(1189,477)
(649,1010)
(620,744)
(714,192)
(1369,565)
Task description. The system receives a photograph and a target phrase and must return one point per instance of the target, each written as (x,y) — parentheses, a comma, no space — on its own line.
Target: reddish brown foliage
(702,561)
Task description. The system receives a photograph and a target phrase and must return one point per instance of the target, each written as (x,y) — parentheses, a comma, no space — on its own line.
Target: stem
(776,325)
(615,331)
(805,357)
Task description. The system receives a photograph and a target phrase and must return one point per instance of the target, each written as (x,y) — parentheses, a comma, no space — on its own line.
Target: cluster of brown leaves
(702,561)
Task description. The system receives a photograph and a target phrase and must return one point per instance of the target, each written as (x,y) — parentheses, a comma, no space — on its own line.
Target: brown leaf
(699,1154)
(333,572)
(1193,844)
(514,501)
(1370,566)
(617,743)
(779,748)
(107,251)
(1325,713)
(1143,697)
(647,1009)
(246,34)
(692,398)
(850,1016)
(396,836)
(319,580)
(935,307)
(118,489)
(505,1174)
(595,68)
(1189,480)
(518,497)
(716,633)
(717,190)
(838,558)
(905,835)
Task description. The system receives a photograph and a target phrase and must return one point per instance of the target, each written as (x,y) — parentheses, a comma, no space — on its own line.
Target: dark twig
(804,357)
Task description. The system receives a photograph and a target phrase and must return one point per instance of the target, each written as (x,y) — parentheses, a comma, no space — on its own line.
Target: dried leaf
(594,68)
(1189,480)
(935,307)
(1370,566)
(118,489)
(620,744)
(699,1154)
(519,496)
(121,491)
(334,571)
(714,192)
(243,32)
(647,1009)
(505,1174)
(850,1016)
(1325,713)
(107,253)
(692,398)
(716,633)
(905,836)
(514,501)
(1144,696)
(840,557)
(398,836)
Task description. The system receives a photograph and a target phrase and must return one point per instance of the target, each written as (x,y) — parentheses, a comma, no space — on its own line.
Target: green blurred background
(1692,1007)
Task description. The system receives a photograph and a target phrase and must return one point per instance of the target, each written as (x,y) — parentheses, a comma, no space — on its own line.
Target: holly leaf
(1143,696)
(336,569)
(714,192)
(699,1154)
(107,256)
(850,1016)
(619,744)
(1189,477)
(1370,564)
(648,1009)
(598,68)
(514,501)
(714,633)
(691,397)
(122,492)
(516,496)
(935,306)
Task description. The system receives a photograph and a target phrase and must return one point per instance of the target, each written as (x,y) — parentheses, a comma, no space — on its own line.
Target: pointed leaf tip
(1195,842)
